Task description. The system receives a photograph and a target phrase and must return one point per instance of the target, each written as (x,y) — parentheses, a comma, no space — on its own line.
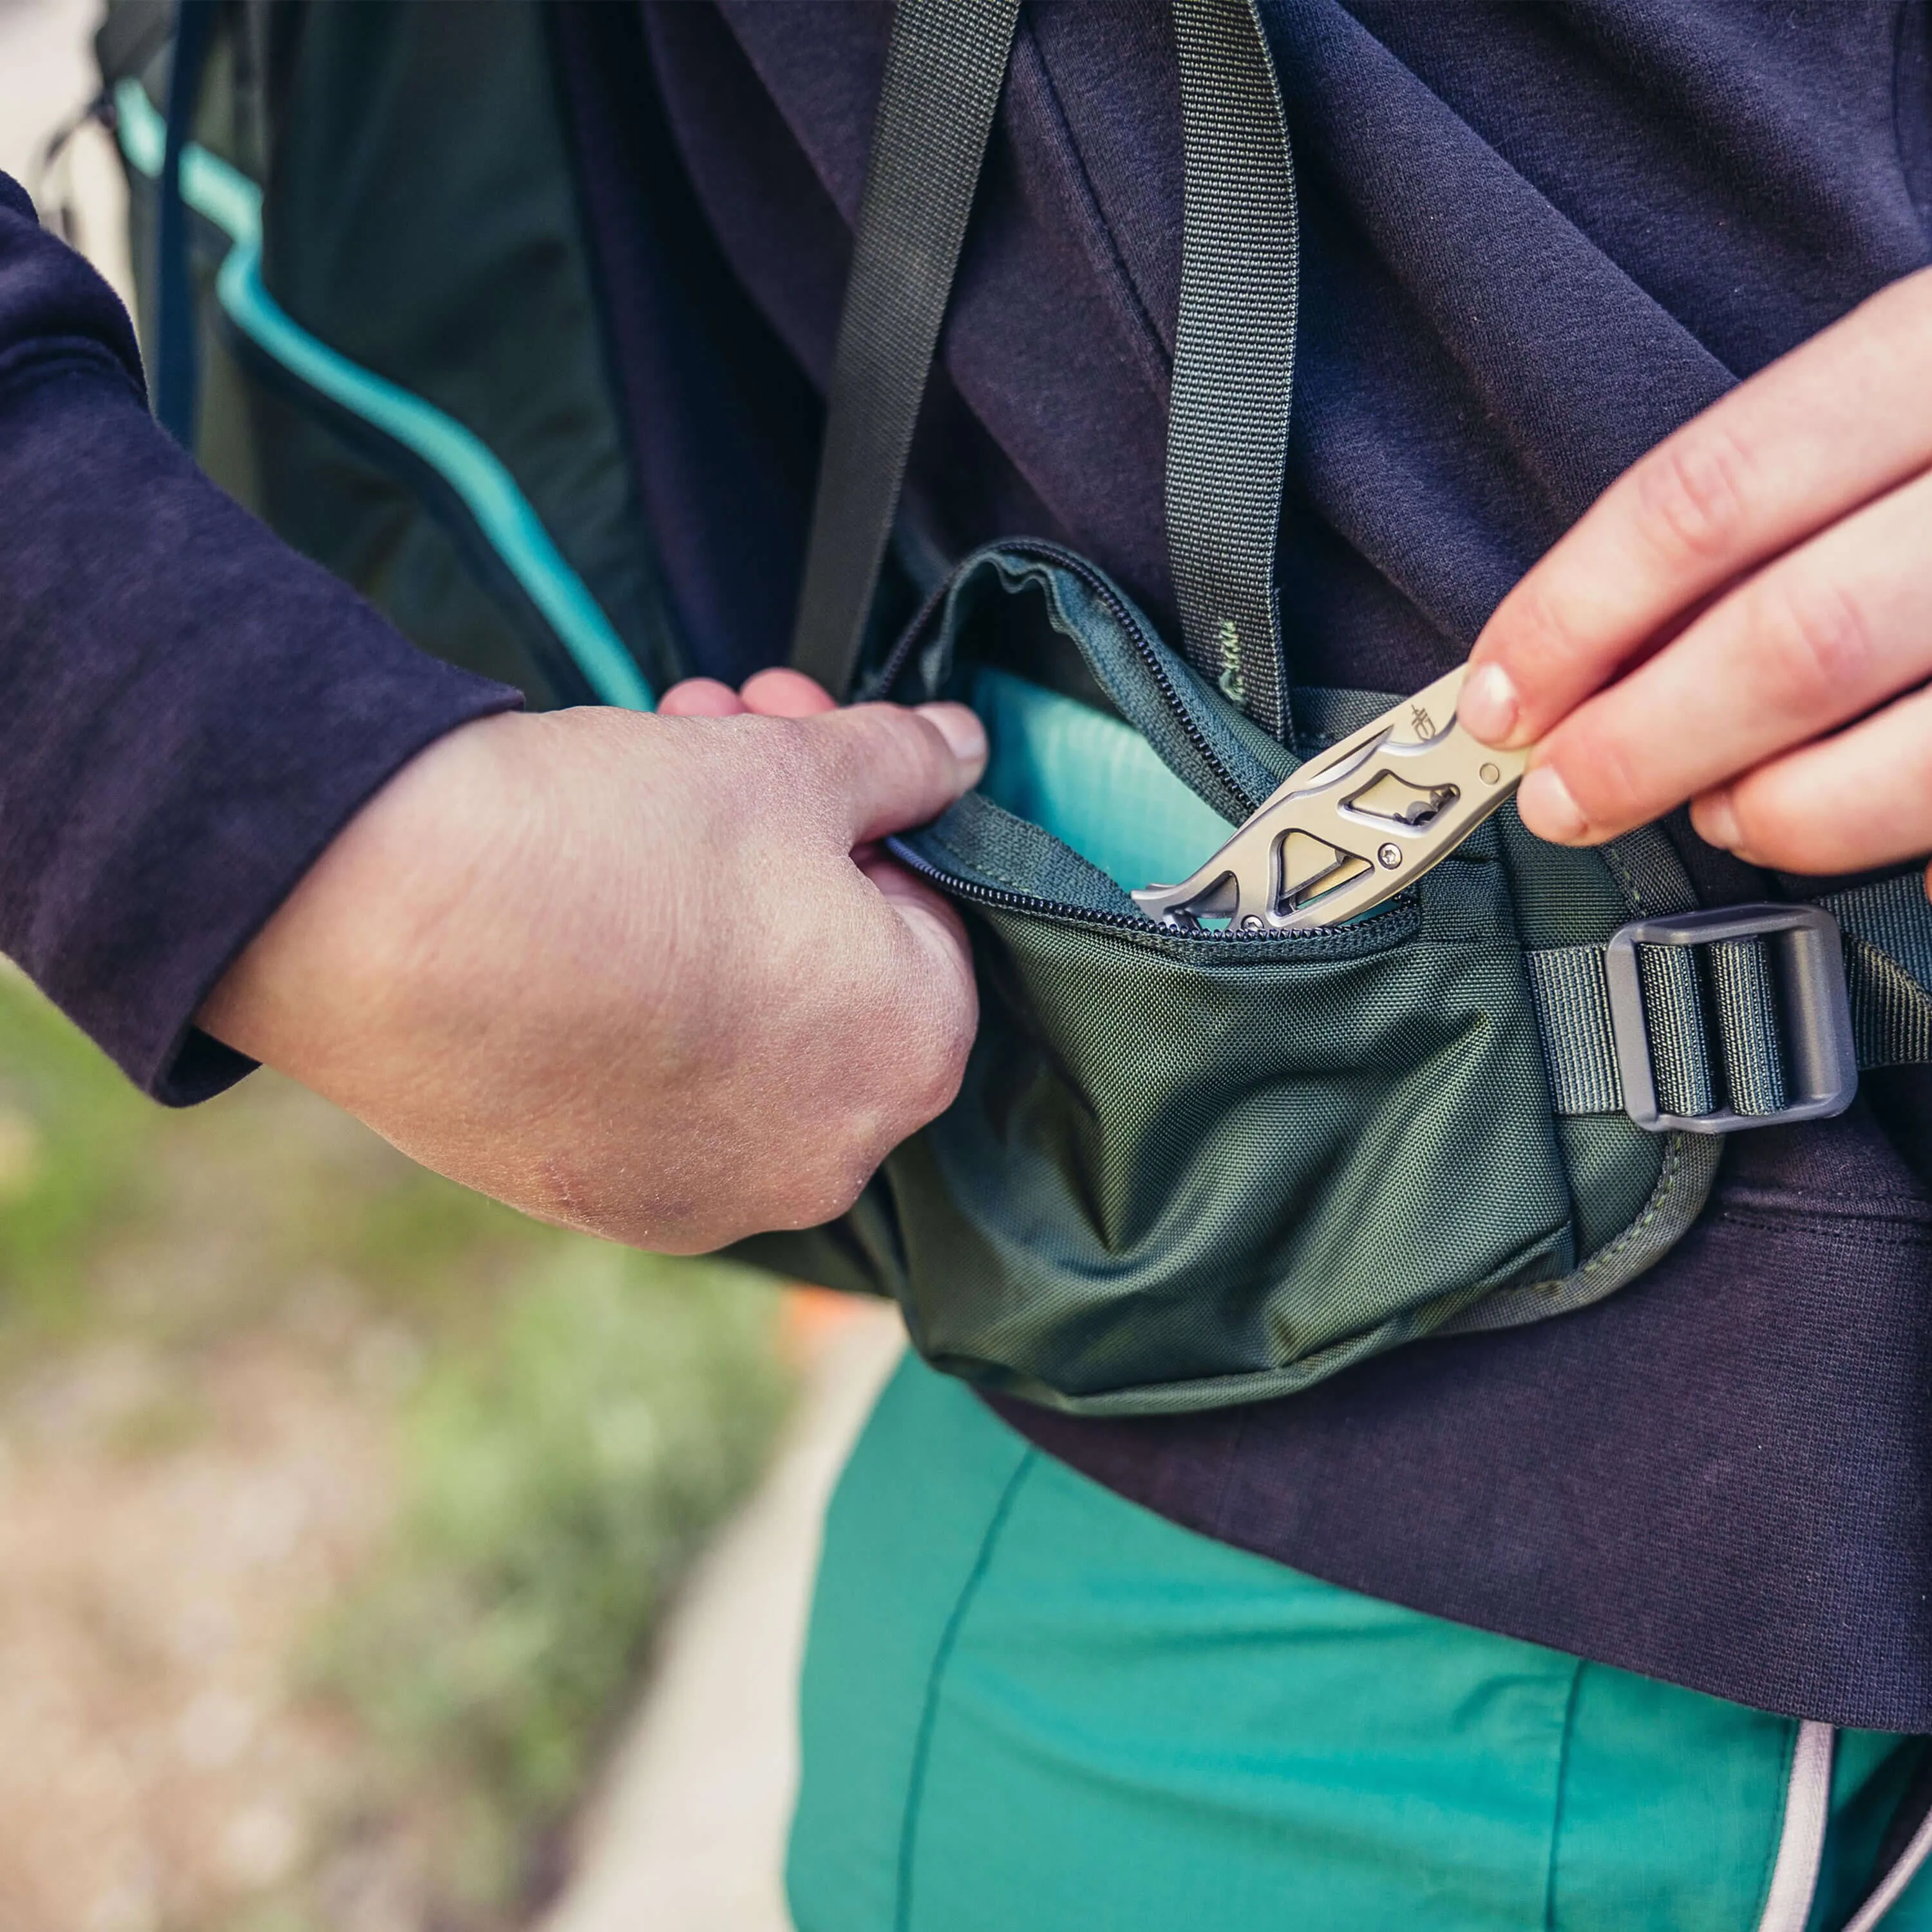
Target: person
(1615,375)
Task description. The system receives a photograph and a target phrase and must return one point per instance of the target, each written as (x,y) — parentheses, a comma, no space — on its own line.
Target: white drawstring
(1801,1843)
(1919,1847)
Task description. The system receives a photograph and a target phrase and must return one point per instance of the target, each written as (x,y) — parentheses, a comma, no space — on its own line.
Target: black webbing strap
(1233,362)
(944,72)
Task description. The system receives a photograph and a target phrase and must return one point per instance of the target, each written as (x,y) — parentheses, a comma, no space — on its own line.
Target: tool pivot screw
(1489,774)
(1391,855)
(1251,923)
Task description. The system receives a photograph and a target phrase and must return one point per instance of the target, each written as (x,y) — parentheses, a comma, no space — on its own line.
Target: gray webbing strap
(1234,358)
(1571,994)
(1751,1043)
(1743,1068)
(1887,929)
(1680,1052)
(1233,367)
(944,72)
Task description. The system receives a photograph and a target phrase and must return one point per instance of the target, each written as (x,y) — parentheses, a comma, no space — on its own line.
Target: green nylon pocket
(1186,1170)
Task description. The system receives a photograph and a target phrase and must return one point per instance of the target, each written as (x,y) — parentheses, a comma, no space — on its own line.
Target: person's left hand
(1744,620)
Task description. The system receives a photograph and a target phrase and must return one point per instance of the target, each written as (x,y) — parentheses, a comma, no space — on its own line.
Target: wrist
(361,934)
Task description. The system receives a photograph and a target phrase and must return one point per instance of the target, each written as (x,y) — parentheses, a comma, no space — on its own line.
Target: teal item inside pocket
(1095,784)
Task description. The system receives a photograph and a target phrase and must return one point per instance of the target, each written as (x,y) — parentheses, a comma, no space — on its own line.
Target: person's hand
(1744,619)
(623,972)
(783,693)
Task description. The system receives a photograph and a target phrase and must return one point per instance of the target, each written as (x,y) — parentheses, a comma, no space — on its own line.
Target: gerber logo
(1229,638)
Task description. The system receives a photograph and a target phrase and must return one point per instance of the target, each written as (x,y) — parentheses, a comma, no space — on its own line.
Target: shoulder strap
(944,72)
(1234,351)
(1234,357)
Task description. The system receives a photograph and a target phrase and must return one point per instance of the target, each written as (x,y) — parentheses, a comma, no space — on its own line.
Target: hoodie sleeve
(189,710)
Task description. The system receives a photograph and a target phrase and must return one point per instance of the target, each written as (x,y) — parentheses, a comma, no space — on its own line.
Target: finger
(783,693)
(891,769)
(1822,635)
(1860,799)
(1799,445)
(701,697)
(933,920)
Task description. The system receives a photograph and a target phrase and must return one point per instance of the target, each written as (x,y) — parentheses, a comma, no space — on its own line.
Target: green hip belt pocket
(1188,1168)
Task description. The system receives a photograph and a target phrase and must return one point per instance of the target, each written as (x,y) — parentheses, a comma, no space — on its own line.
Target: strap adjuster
(1791,997)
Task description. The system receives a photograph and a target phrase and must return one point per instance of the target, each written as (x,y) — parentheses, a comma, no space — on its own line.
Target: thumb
(936,927)
(892,769)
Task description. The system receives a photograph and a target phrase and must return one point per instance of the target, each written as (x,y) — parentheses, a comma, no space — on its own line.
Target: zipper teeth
(1129,623)
(998,895)
(1031,902)
(902,645)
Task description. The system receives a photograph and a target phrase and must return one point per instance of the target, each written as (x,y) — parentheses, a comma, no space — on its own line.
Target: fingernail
(960,727)
(1488,706)
(1716,822)
(1548,809)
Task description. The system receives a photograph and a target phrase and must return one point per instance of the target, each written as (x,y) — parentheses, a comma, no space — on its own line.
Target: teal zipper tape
(224,196)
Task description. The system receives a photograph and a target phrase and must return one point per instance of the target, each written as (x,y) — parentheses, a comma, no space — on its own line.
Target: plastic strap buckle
(1821,1069)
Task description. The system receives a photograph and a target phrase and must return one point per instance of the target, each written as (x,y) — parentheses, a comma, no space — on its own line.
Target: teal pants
(1029,1704)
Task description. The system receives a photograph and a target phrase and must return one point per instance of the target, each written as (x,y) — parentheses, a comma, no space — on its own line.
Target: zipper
(1005,900)
(1131,624)
(1026,902)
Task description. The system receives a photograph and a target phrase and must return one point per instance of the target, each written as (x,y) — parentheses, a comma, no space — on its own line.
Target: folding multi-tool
(1352,826)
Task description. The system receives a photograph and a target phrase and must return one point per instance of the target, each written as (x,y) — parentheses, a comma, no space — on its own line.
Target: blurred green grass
(71,1131)
(218,1209)
(581,1418)
(564,1473)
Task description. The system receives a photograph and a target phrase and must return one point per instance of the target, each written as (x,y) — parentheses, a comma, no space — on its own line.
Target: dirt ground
(158,1767)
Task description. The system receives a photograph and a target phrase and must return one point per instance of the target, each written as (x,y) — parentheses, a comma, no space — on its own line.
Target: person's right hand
(623,972)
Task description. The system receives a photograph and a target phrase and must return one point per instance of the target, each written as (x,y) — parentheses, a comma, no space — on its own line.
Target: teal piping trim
(226,197)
